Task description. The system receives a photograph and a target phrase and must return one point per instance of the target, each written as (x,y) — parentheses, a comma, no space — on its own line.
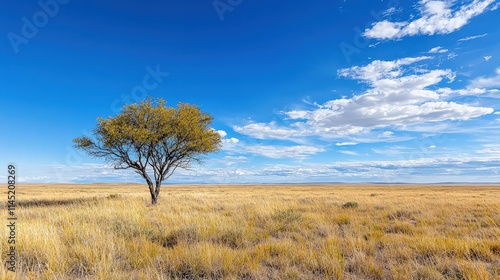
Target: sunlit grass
(257,232)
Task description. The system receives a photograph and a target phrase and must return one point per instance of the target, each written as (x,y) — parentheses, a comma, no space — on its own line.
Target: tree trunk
(154,195)
(157,190)
(154,198)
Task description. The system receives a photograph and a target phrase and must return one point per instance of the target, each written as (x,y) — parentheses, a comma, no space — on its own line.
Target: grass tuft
(350,204)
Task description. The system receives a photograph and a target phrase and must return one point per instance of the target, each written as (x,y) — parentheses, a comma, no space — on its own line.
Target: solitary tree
(153,140)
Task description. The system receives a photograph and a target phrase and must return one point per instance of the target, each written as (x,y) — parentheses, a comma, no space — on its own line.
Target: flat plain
(110,231)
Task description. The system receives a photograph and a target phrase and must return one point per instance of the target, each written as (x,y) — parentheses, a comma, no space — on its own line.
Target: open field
(257,232)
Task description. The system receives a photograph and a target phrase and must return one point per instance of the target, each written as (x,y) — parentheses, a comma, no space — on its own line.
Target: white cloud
(296,114)
(487,82)
(351,153)
(376,136)
(481,165)
(475,168)
(486,58)
(468,91)
(238,158)
(385,30)
(378,69)
(266,131)
(438,49)
(231,140)
(234,146)
(386,134)
(472,37)
(393,99)
(490,150)
(437,17)
(231,160)
(391,11)
(222,133)
(227,142)
(83,173)
(393,150)
(297,152)
(396,97)
(452,55)
(33,179)
(340,144)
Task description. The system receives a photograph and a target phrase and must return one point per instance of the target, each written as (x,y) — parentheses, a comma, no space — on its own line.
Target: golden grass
(257,232)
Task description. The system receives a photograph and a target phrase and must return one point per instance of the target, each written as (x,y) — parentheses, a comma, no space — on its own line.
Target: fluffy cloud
(396,97)
(231,140)
(296,114)
(437,17)
(487,82)
(378,69)
(225,140)
(355,118)
(266,131)
(222,133)
(438,49)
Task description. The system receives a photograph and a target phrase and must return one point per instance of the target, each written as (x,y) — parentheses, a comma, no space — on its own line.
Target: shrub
(350,204)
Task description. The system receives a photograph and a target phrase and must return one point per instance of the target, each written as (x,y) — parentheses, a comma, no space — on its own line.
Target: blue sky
(330,91)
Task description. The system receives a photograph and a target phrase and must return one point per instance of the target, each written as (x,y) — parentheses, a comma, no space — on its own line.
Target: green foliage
(182,131)
(150,137)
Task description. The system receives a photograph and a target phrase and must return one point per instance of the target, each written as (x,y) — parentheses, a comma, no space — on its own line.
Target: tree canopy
(153,139)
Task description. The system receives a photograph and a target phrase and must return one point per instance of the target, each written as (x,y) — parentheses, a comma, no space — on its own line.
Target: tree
(153,140)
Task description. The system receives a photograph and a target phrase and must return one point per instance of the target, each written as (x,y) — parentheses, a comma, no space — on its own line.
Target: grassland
(257,232)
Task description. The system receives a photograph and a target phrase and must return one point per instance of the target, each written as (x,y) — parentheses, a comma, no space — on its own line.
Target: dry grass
(257,232)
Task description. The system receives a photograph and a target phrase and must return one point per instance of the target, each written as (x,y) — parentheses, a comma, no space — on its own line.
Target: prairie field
(111,231)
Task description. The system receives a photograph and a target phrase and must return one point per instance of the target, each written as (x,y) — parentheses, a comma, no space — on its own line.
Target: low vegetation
(257,232)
